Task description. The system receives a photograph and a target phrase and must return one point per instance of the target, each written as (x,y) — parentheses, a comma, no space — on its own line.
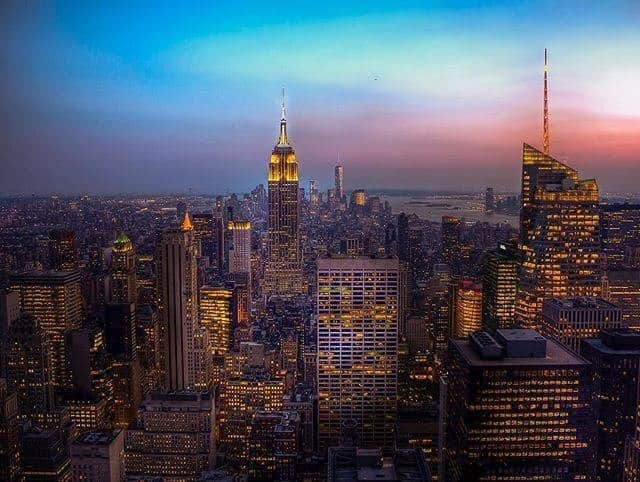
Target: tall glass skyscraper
(559,235)
(357,350)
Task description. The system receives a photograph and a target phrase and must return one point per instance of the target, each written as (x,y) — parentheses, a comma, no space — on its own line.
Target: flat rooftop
(580,303)
(97,437)
(557,355)
(357,262)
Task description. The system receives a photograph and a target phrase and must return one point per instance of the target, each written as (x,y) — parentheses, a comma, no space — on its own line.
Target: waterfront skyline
(407,96)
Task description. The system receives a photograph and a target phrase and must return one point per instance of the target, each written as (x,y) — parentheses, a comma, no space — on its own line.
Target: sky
(129,96)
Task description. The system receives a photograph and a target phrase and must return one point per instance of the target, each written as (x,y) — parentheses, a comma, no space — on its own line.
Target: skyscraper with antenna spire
(283,276)
(339,178)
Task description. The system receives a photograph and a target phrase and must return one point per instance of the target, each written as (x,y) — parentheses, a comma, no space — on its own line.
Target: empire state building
(283,275)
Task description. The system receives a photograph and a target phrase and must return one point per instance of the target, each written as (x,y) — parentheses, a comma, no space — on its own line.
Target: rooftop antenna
(545,120)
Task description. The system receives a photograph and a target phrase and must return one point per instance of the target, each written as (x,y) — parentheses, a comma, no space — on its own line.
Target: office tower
(121,344)
(240,249)
(283,275)
(54,300)
(500,286)
(489,200)
(241,397)
(438,305)
(622,287)
(89,368)
(216,316)
(353,464)
(314,196)
(45,456)
(403,237)
(621,235)
(172,438)
(218,235)
(123,284)
(28,369)
(179,307)
(559,235)
(417,334)
(358,198)
(274,445)
(518,407)
(357,377)
(331,197)
(9,434)
(63,251)
(339,182)
(615,357)
(148,348)
(241,299)
(451,242)
(571,320)
(467,307)
(203,232)
(96,456)
(9,309)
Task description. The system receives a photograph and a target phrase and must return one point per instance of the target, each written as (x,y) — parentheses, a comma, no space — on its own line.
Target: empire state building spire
(283,139)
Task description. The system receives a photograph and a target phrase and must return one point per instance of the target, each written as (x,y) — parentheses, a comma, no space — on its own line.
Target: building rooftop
(350,464)
(357,262)
(617,341)
(97,437)
(186,401)
(46,277)
(514,341)
(580,303)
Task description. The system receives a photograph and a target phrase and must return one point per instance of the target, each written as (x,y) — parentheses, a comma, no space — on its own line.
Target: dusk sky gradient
(141,97)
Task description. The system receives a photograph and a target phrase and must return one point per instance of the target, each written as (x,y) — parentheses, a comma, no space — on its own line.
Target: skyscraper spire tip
(545,115)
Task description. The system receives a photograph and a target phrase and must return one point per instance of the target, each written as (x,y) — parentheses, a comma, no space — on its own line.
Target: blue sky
(139,97)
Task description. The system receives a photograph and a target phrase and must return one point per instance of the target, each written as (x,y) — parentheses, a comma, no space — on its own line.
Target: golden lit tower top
(545,116)
(186,225)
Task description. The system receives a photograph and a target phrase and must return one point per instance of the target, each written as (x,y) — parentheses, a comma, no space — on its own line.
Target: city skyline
(190,106)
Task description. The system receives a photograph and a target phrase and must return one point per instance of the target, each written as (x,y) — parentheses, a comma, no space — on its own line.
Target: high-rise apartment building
(357,340)
(569,321)
(559,235)
(123,285)
(185,349)
(173,437)
(500,286)
(54,299)
(283,275)
(518,407)
(615,357)
(466,307)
